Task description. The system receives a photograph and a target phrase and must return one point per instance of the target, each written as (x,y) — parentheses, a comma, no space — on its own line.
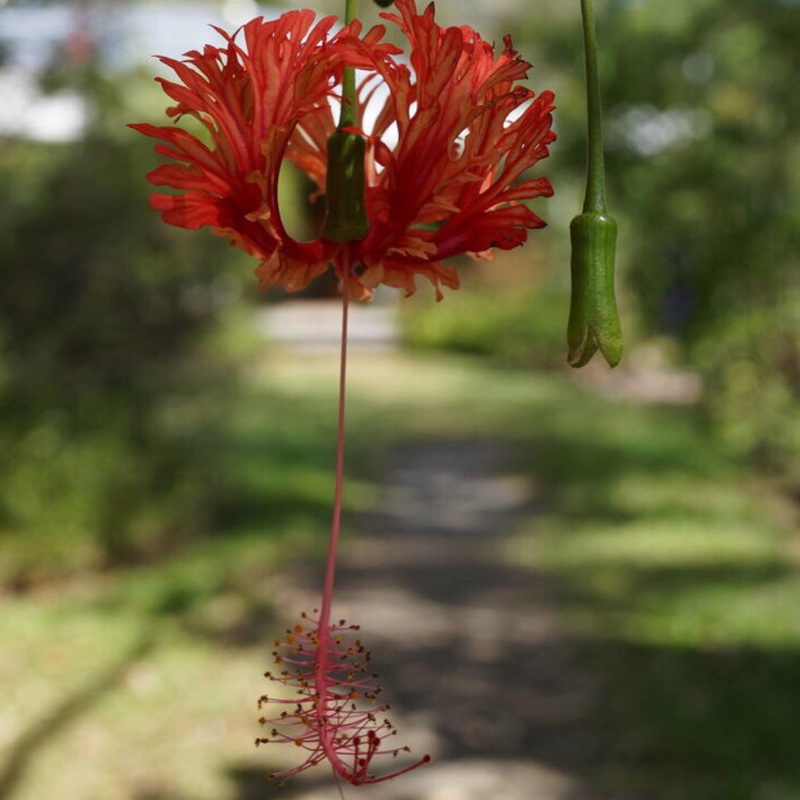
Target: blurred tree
(703,161)
(102,313)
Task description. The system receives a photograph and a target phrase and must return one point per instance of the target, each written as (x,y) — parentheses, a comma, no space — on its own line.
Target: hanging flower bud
(384,3)
(593,318)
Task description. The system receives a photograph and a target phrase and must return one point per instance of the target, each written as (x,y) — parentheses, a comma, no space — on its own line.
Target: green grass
(679,580)
(677,572)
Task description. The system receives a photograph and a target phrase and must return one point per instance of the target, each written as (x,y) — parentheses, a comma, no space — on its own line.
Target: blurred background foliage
(105,310)
(147,433)
(107,318)
(702,163)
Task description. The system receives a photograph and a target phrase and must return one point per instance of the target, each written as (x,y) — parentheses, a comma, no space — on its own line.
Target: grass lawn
(679,579)
(678,575)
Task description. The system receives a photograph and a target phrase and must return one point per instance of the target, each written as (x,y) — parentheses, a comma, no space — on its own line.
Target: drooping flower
(334,713)
(443,167)
(445,155)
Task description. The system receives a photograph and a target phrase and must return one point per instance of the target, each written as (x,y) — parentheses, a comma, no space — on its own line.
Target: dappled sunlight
(573,586)
(493,632)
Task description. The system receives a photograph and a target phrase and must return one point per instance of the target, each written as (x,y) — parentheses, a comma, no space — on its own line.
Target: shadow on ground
(467,643)
(24,750)
(481,675)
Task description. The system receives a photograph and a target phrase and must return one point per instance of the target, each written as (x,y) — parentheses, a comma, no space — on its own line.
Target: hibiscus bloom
(465,132)
(442,164)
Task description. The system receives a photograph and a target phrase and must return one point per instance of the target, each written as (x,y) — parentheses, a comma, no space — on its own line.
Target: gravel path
(466,643)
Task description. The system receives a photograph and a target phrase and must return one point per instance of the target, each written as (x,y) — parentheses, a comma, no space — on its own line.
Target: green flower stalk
(593,317)
(346,217)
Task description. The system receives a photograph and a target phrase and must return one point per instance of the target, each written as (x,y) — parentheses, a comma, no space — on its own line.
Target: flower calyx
(346,218)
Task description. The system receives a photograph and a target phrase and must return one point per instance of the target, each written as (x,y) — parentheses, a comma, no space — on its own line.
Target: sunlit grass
(678,577)
(675,569)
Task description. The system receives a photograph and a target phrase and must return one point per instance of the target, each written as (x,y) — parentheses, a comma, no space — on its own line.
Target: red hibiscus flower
(442,158)
(465,133)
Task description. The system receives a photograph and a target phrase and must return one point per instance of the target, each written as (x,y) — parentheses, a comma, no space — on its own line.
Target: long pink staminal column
(336,521)
(334,714)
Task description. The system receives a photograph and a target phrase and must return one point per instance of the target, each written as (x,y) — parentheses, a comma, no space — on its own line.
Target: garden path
(466,642)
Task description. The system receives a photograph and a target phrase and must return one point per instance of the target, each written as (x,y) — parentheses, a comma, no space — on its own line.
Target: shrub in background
(103,316)
(522,328)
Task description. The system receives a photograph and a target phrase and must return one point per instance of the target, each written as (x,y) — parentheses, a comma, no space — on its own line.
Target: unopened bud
(593,318)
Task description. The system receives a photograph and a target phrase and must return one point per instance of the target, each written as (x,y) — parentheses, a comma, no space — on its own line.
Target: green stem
(595,199)
(347,115)
(346,217)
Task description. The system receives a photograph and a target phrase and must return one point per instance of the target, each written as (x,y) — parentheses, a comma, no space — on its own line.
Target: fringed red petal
(448,147)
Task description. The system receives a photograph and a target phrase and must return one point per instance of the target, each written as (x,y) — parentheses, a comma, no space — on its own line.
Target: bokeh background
(576,585)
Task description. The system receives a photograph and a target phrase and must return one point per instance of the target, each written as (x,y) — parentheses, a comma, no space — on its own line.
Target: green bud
(593,318)
(346,218)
